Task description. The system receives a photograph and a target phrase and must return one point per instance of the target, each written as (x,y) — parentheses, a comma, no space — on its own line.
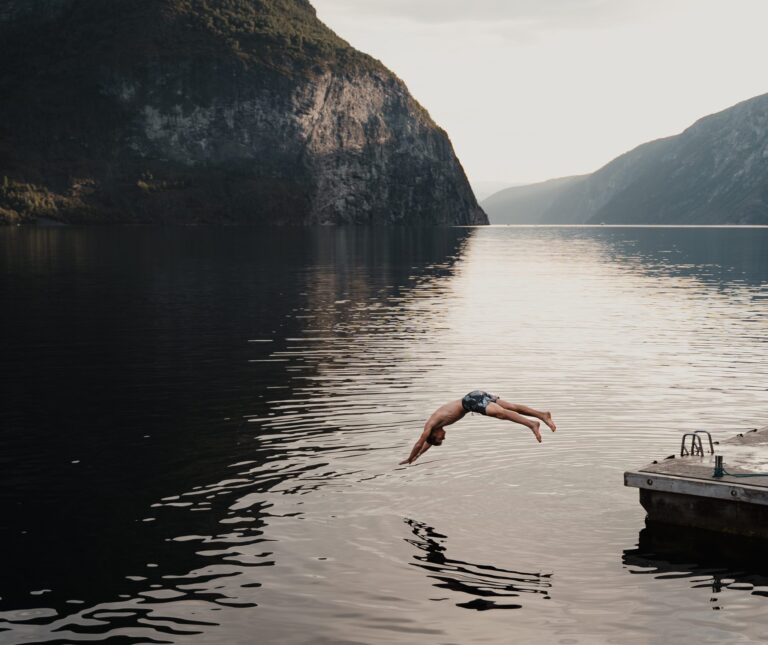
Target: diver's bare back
(446,414)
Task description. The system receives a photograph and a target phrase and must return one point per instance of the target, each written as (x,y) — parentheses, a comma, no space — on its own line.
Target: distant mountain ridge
(714,172)
(526,204)
(222,111)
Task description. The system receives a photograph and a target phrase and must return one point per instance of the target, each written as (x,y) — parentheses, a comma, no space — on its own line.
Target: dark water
(200,430)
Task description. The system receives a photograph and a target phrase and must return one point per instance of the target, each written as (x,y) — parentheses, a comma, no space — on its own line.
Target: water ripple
(244,462)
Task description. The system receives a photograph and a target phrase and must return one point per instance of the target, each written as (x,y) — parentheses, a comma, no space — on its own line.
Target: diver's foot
(535,430)
(549,422)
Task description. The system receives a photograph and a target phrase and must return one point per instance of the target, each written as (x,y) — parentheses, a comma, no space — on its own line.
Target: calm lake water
(200,432)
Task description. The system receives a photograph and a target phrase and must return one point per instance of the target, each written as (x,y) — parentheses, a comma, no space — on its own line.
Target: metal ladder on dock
(696,447)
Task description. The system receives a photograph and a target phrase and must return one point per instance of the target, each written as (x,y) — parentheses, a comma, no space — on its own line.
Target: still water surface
(200,432)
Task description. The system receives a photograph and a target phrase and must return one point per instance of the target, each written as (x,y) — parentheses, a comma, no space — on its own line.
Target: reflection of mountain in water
(353,265)
(491,586)
(714,256)
(708,560)
(131,476)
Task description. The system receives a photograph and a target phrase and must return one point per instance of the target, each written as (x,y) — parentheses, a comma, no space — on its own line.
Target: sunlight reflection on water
(307,530)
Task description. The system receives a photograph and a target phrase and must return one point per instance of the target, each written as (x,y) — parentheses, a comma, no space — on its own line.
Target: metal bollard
(719,470)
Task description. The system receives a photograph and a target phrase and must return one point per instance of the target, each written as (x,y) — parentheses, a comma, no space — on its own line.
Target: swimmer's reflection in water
(483,403)
(489,584)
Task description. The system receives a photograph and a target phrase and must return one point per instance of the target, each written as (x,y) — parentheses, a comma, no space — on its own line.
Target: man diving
(482,403)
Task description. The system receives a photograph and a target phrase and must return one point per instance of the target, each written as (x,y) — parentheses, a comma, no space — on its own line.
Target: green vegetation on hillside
(246,25)
(20,201)
(280,34)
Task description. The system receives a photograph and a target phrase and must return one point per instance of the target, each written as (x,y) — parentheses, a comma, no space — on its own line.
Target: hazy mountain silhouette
(714,172)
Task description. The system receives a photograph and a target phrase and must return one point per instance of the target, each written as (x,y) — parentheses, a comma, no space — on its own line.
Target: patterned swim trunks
(477,401)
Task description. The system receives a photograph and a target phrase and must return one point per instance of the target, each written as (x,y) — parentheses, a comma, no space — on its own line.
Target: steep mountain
(226,111)
(714,172)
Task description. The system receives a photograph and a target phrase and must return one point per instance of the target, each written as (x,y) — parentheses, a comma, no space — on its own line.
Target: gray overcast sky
(533,89)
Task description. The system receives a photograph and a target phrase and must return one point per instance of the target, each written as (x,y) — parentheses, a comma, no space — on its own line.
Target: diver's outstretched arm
(419,448)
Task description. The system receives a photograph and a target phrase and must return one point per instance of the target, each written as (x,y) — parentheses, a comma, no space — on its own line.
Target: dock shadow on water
(707,560)
(492,587)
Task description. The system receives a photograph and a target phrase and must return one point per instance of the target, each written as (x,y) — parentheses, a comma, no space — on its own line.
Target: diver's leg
(495,410)
(546,417)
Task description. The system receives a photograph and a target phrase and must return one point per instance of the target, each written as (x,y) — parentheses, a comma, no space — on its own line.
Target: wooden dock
(684,491)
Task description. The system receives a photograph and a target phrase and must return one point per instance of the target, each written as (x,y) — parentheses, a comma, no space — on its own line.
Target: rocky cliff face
(715,172)
(231,111)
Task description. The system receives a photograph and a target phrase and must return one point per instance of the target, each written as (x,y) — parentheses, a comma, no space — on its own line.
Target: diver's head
(436,437)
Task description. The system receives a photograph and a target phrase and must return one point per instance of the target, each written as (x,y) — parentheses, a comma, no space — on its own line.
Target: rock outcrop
(714,172)
(225,111)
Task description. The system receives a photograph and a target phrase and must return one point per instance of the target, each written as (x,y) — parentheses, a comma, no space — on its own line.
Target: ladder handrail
(697,447)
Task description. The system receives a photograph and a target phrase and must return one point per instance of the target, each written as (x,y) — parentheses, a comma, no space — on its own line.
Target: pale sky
(534,89)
